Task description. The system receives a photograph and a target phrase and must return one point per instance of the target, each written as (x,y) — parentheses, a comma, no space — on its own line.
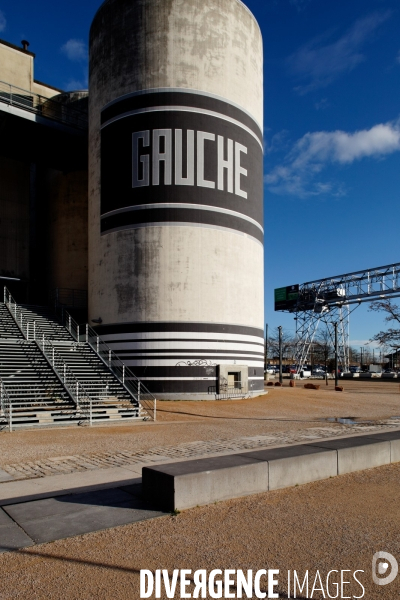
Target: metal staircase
(8,327)
(51,374)
(36,394)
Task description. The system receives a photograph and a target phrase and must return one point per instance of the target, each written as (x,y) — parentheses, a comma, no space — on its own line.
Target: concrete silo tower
(176,192)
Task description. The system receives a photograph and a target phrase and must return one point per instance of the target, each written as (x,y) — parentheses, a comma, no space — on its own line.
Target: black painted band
(148,327)
(175,155)
(176,98)
(187,340)
(154,216)
(196,353)
(161,372)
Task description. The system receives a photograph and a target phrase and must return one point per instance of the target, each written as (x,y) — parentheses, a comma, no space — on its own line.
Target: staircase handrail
(80,396)
(132,384)
(27,326)
(9,302)
(5,405)
(69,323)
(123,373)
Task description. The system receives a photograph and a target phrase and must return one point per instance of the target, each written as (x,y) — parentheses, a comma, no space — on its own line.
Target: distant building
(43,181)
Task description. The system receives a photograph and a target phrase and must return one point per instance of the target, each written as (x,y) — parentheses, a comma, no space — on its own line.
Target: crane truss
(328,301)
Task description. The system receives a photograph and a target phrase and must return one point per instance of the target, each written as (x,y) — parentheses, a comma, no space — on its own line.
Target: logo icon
(384,568)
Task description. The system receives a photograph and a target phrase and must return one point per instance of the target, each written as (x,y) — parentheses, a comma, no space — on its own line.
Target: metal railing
(5,406)
(15,312)
(76,390)
(45,107)
(132,384)
(30,329)
(136,389)
(225,391)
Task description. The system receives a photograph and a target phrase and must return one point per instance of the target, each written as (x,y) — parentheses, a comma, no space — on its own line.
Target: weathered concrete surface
(191,483)
(295,465)
(14,218)
(12,536)
(178,272)
(212,45)
(66,516)
(13,492)
(356,454)
(157,273)
(195,483)
(68,236)
(394,438)
(187,484)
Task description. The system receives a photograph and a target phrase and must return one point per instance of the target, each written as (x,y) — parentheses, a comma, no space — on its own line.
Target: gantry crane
(329,301)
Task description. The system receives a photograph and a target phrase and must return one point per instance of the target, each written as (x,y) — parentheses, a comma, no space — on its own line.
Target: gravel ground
(334,524)
(282,409)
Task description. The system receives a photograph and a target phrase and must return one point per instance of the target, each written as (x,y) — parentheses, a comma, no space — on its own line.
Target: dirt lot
(282,409)
(335,524)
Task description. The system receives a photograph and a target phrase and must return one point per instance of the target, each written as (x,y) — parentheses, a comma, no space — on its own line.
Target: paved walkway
(63,497)
(27,523)
(91,462)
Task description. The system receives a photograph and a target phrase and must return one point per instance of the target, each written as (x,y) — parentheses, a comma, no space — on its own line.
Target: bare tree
(288,344)
(323,347)
(354,355)
(390,337)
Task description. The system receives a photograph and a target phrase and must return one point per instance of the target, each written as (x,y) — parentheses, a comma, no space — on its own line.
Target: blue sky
(332,128)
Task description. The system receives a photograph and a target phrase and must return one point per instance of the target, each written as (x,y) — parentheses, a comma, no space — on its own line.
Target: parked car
(318,372)
(305,372)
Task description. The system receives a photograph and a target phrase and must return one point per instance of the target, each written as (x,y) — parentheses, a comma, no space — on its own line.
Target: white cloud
(299,4)
(76,84)
(75,50)
(314,151)
(318,64)
(277,143)
(343,147)
(322,104)
(3,22)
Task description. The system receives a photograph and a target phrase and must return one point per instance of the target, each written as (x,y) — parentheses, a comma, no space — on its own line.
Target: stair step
(37,394)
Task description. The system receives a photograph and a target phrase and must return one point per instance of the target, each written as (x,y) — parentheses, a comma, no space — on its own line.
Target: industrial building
(139,205)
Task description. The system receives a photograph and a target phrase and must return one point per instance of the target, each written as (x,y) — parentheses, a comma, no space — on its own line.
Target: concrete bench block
(395,451)
(394,438)
(295,465)
(385,436)
(286,472)
(358,453)
(191,483)
(197,482)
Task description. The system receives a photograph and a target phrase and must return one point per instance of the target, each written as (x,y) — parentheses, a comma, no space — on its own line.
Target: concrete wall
(17,69)
(67,251)
(14,218)
(201,280)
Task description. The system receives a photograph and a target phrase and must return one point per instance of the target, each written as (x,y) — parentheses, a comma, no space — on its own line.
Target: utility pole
(266,347)
(336,355)
(280,353)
